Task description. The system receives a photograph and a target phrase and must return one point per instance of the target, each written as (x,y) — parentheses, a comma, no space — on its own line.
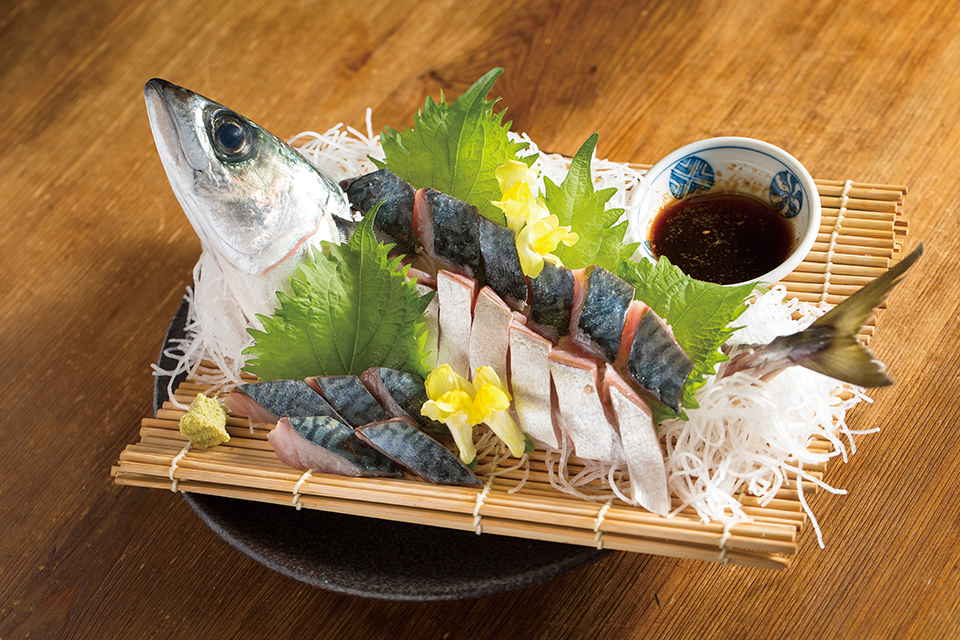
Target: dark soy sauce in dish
(722,237)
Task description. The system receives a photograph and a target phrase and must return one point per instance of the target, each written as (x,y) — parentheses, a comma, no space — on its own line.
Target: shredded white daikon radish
(753,437)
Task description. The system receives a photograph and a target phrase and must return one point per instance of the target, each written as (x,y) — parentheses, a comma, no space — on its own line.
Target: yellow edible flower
(461,405)
(513,171)
(537,240)
(521,206)
(451,402)
(519,203)
(492,406)
(538,232)
(205,422)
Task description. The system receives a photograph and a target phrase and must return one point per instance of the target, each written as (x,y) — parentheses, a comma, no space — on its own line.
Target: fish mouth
(176,121)
(175,115)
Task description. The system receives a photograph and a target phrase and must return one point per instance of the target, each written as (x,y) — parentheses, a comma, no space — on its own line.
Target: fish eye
(232,137)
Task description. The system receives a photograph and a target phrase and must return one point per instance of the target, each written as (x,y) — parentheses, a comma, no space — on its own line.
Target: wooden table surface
(95,255)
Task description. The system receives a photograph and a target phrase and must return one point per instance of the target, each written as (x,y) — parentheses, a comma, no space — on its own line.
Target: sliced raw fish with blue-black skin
(448,230)
(502,271)
(656,363)
(324,444)
(402,395)
(348,396)
(552,296)
(271,400)
(598,323)
(400,440)
(395,215)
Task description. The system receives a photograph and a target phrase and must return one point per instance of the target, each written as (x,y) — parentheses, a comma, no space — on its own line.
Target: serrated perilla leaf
(577,204)
(455,148)
(351,308)
(699,314)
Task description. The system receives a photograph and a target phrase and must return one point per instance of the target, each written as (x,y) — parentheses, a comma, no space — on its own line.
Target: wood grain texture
(95,255)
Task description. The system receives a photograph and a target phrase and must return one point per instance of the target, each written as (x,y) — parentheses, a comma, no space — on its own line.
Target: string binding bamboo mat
(861,235)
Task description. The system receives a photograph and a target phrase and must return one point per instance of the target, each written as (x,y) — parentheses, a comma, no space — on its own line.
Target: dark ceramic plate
(375,558)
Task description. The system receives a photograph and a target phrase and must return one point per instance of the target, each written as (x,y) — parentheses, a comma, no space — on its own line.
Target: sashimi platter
(445,326)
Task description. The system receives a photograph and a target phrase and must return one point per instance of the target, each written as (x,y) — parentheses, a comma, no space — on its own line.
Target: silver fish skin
(271,400)
(350,398)
(255,202)
(400,440)
(829,345)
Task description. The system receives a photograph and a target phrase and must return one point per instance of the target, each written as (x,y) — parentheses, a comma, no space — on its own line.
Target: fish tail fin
(847,360)
(829,345)
(844,358)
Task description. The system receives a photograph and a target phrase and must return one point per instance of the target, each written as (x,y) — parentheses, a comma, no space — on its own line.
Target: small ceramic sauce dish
(729,210)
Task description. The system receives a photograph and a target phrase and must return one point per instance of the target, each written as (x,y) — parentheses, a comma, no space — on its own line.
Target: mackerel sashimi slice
(641,444)
(598,322)
(530,384)
(271,400)
(350,398)
(326,445)
(502,271)
(490,333)
(552,296)
(401,441)
(395,216)
(448,230)
(402,395)
(656,363)
(583,412)
(456,294)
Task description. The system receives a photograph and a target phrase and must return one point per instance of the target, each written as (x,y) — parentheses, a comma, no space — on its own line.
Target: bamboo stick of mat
(862,234)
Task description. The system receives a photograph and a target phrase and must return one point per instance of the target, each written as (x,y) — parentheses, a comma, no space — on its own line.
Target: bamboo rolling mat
(861,234)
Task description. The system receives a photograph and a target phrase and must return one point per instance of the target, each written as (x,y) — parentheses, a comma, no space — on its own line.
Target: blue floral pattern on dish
(688,175)
(786,194)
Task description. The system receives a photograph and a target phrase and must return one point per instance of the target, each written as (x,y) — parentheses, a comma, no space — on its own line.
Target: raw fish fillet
(402,394)
(448,230)
(641,444)
(272,400)
(456,294)
(530,384)
(578,395)
(327,445)
(350,398)
(552,296)
(657,363)
(502,271)
(490,333)
(401,441)
(395,216)
(598,323)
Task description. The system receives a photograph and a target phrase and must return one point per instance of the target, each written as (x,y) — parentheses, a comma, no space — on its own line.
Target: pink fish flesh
(326,445)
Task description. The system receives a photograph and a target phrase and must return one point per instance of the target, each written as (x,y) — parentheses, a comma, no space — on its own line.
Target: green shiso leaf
(578,205)
(699,313)
(352,308)
(455,148)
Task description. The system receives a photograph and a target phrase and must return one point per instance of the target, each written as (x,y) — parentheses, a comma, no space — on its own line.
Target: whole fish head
(253,200)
